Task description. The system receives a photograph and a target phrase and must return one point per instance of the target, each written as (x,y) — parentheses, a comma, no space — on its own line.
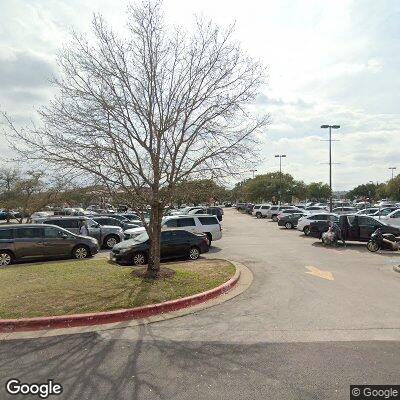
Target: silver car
(107,236)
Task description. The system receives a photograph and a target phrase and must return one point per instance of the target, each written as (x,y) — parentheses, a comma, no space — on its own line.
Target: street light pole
(330,159)
(253,171)
(280,174)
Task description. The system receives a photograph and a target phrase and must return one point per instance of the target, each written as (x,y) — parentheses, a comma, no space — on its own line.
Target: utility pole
(280,174)
(392,168)
(330,159)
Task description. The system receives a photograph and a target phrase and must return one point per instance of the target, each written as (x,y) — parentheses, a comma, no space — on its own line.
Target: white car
(315,208)
(288,211)
(274,211)
(393,218)
(344,210)
(303,224)
(207,224)
(184,211)
(261,210)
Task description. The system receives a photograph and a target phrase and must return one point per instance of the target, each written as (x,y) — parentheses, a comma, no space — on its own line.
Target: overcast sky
(329,62)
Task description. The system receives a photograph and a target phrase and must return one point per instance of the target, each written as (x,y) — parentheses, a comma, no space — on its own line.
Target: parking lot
(291,335)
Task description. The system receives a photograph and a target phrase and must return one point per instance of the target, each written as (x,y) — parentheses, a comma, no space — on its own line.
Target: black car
(112,221)
(36,241)
(358,228)
(290,221)
(174,244)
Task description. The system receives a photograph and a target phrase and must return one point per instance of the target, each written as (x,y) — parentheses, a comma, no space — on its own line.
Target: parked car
(289,221)
(240,206)
(174,243)
(382,212)
(368,211)
(273,211)
(6,214)
(303,223)
(315,208)
(248,208)
(344,210)
(110,221)
(35,241)
(107,236)
(358,228)
(217,211)
(289,211)
(392,218)
(261,210)
(207,224)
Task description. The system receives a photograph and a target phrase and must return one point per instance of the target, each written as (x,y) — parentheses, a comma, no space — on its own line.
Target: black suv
(37,241)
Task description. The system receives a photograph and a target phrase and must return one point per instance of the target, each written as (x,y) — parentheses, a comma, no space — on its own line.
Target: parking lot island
(70,294)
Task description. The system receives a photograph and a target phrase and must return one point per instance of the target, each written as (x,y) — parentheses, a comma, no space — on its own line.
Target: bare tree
(149,110)
(8,177)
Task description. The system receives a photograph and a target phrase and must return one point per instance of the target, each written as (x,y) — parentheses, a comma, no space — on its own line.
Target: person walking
(83,230)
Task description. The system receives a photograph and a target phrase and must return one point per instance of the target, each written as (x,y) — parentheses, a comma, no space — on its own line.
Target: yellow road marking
(320,274)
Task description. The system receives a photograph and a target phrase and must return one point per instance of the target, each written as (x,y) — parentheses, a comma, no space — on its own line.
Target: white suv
(205,223)
(260,210)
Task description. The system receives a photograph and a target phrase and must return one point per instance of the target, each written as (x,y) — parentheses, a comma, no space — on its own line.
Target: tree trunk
(155,235)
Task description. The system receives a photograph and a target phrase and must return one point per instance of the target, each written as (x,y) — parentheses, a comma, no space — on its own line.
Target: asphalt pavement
(314,321)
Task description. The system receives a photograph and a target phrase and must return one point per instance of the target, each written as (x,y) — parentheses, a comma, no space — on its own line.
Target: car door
(167,246)
(57,242)
(367,226)
(28,242)
(350,228)
(94,229)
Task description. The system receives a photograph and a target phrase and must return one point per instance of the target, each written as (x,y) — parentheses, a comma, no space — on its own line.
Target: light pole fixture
(392,168)
(253,171)
(330,158)
(280,173)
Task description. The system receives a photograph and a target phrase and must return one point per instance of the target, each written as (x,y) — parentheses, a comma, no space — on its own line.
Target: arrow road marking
(320,274)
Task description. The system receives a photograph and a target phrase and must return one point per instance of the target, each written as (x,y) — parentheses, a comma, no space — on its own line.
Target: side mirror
(64,236)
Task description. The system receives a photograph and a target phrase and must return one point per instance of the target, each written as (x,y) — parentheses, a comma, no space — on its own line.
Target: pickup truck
(356,228)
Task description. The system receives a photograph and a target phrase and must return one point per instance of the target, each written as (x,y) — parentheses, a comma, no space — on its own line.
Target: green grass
(84,286)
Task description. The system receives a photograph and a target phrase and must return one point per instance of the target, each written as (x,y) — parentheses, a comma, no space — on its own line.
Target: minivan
(35,241)
(107,236)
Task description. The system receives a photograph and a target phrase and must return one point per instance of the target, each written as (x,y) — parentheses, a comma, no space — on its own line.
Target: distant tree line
(266,187)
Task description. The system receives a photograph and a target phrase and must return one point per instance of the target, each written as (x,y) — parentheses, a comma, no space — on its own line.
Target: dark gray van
(107,236)
(35,241)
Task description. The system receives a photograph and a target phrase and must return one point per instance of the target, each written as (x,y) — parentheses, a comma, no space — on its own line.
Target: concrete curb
(396,268)
(75,320)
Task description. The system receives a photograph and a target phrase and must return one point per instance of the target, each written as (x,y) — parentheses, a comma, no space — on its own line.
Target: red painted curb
(68,321)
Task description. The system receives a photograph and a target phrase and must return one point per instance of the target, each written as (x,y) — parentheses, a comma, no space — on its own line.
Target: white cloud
(328,62)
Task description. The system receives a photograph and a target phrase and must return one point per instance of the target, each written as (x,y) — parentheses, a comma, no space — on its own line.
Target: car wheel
(6,258)
(288,225)
(275,218)
(194,253)
(80,252)
(258,215)
(110,241)
(139,259)
(306,230)
(372,246)
(209,237)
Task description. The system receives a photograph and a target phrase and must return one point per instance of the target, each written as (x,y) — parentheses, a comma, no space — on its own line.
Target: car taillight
(220,228)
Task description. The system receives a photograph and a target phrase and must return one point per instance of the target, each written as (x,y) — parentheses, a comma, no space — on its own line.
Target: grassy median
(84,286)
